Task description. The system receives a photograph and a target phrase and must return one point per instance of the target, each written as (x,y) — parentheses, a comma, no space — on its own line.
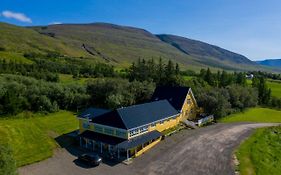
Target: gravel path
(206,150)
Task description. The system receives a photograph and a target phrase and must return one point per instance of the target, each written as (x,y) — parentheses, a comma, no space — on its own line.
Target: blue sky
(249,27)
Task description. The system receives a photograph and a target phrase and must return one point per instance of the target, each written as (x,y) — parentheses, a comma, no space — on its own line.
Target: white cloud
(18,16)
(54,23)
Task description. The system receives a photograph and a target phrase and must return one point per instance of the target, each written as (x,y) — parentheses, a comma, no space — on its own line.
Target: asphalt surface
(207,150)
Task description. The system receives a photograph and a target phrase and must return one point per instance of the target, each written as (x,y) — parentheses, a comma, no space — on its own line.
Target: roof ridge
(121,117)
(142,104)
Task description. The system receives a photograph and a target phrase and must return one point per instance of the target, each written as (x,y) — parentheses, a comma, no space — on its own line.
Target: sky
(249,27)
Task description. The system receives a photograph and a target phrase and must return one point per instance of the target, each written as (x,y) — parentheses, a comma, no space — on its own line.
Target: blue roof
(175,95)
(137,115)
(92,113)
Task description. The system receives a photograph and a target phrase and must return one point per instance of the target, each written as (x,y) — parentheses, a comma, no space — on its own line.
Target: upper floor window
(161,122)
(153,125)
(121,133)
(98,129)
(144,129)
(134,132)
(108,131)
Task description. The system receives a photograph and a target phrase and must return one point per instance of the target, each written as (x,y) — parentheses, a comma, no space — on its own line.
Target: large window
(108,131)
(121,133)
(99,129)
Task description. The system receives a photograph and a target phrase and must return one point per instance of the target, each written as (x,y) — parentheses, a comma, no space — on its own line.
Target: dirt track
(202,151)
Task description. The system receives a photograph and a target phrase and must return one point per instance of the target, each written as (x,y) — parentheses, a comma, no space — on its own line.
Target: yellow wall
(147,147)
(186,109)
(166,125)
(81,129)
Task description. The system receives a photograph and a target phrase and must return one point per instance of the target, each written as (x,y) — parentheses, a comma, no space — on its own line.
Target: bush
(7,163)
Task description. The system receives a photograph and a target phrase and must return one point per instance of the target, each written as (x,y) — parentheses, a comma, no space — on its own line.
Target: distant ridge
(270,62)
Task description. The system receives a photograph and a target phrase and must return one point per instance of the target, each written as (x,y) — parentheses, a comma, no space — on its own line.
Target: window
(121,133)
(162,122)
(143,129)
(108,131)
(153,125)
(98,129)
(134,132)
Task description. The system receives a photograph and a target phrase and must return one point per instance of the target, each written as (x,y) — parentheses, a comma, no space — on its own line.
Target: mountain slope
(208,54)
(270,62)
(14,39)
(117,44)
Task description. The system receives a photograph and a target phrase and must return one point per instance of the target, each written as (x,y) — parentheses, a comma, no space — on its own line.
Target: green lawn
(261,153)
(254,115)
(66,78)
(275,87)
(32,139)
(188,77)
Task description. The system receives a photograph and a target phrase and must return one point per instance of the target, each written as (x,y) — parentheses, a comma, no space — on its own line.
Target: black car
(90,158)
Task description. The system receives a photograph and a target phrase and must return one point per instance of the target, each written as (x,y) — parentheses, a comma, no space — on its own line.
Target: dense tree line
(222,79)
(113,93)
(269,75)
(18,93)
(30,70)
(222,101)
(159,73)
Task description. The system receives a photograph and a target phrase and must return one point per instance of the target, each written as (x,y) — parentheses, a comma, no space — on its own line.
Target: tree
(209,77)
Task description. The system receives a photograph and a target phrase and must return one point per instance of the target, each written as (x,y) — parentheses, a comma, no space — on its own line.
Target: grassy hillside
(19,40)
(260,154)
(32,138)
(116,44)
(255,115)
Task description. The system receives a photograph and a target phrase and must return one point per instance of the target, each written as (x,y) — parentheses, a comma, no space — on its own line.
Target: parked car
(90,158)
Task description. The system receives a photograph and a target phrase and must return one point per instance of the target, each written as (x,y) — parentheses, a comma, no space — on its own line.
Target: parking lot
(206,150)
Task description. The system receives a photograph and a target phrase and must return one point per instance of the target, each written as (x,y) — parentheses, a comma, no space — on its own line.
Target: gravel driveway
(206,150)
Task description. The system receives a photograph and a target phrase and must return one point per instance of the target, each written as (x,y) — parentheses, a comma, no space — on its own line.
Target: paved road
(206,150)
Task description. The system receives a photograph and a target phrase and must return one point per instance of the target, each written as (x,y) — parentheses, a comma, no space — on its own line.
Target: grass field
(32,138)
(261,153)
(254,115)
(66,78)
(275,87)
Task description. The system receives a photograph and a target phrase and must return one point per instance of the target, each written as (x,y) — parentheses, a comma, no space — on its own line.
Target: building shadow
(70,142)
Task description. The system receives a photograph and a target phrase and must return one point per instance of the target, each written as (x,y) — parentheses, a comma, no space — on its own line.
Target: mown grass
(261,153)
(254,115)
(275,87)
(32,139)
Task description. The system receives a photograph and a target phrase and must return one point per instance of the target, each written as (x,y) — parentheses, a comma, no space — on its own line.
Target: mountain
(270,62)
(117,45)
(208,54)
